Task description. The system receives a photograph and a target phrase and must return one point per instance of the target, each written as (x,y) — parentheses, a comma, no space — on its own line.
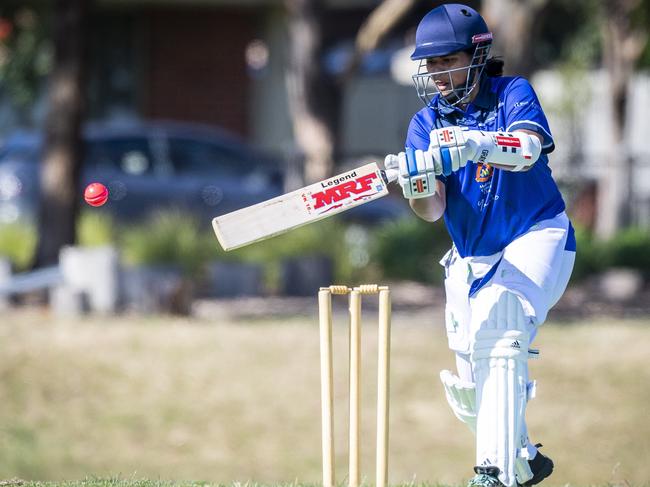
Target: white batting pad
(461,396)
(500,371)
(500,360)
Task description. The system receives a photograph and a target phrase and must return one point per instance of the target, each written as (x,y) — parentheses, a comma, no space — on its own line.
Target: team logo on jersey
(483,173)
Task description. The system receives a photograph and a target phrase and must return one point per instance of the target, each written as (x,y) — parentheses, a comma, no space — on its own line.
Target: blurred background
(126,330)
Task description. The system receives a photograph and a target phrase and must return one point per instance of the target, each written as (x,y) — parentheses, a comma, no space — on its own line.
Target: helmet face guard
(427,89)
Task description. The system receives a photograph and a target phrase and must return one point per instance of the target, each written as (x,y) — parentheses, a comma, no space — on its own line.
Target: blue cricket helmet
(449,28)
(446,30)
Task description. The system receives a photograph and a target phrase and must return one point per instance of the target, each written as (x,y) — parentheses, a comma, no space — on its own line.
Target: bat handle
(389,175)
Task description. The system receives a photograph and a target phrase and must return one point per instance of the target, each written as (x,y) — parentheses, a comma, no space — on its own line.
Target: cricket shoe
(485,477)
(541,466)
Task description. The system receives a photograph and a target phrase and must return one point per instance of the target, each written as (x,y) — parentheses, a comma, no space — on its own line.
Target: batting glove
(416,172)
(452,147)
(449,149)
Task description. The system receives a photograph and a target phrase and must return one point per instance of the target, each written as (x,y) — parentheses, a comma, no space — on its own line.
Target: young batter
(477,154)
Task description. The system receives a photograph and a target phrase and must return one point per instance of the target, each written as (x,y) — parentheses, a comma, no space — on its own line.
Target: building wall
(196,68)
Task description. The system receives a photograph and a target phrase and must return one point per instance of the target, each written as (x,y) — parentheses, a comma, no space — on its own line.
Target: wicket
(327,381)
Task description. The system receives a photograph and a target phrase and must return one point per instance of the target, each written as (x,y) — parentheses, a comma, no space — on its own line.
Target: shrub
(95,228)
(630,248)
(176,238)
(168,238)
(345,245)
(590,256)
(18,244)
(410,248)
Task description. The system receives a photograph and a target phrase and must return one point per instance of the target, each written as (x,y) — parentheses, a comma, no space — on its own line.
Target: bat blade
(300,207)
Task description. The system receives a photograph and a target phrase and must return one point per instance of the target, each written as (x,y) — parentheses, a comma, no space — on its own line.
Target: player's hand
(450,149)
(416,172)
(391,165)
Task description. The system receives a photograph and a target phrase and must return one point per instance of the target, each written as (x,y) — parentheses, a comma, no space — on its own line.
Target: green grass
(107,482)
(118,482)
(122,399)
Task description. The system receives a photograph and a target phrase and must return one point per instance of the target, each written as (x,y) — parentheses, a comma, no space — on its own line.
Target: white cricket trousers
(535,266)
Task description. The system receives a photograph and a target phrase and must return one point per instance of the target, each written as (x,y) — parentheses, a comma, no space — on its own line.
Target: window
(129,155)
(197,156)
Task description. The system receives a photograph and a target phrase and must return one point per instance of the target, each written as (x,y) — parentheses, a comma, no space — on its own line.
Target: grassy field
(109,482)
(226,402)
(119,482)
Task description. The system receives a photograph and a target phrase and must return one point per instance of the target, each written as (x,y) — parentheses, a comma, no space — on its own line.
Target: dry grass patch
(221,401)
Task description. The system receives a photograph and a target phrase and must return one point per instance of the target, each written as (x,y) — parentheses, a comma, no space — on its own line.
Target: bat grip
(389,175)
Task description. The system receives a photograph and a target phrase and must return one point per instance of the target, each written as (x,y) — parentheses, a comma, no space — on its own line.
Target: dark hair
(494,67)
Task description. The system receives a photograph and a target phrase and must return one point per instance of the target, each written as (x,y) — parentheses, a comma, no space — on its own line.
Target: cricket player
(477,155)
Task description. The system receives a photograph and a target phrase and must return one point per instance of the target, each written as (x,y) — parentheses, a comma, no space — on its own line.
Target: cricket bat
(302,206)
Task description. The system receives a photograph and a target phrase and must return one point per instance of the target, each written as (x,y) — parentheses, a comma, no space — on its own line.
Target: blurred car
(150,166)
(147,166)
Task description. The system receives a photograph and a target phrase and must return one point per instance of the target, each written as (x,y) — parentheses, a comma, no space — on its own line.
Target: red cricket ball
(96,194)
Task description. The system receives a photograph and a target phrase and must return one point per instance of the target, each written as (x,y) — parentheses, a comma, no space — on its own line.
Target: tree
(313,124)
(314,99)
(25,58)
(623,42)
(513,24)
(59,183)
(379,23)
